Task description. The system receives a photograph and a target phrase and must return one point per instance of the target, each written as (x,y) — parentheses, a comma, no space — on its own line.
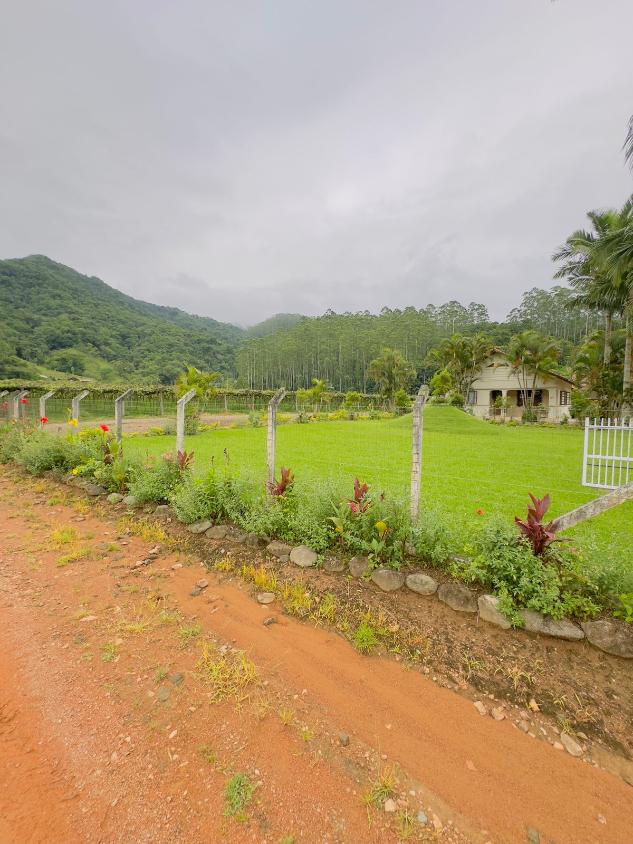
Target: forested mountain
(57,318)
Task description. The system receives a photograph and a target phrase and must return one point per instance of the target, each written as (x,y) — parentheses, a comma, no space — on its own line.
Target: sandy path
(89,754)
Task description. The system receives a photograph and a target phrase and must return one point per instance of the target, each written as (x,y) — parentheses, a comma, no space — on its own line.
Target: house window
(564,398)
(472,397)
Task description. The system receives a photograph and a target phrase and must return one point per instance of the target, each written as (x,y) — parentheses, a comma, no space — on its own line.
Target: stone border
(607,634)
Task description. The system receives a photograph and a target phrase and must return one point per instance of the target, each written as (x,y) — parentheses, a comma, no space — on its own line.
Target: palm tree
(391,372)
(463,356)
(194,379)
(531,354)
(628,144)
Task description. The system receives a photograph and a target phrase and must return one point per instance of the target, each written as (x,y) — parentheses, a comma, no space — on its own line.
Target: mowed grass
(467,464)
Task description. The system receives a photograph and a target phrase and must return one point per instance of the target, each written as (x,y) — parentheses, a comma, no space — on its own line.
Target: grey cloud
(241,159)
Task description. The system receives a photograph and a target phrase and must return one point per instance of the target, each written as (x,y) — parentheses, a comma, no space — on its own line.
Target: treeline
(340,347)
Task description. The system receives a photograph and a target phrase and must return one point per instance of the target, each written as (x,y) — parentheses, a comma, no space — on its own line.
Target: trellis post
(271,441)
(119,412)
(17,400)
(416,453)
(180,420)
(43,400)
(75,403)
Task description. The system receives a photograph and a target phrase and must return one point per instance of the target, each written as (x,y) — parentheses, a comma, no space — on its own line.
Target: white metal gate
(608,453)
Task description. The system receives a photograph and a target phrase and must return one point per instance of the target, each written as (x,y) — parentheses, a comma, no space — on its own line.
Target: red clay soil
(102,741)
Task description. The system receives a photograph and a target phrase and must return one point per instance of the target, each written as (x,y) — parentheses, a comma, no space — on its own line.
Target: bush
(12,439)
(156,480)
(435,537)
(553,583)
(456,400)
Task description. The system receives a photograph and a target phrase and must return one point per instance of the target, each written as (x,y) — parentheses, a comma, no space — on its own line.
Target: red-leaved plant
(184,459)
(539,536)
(361,501)
(281,487)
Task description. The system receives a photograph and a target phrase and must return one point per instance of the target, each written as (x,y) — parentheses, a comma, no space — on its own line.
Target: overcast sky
(239,159)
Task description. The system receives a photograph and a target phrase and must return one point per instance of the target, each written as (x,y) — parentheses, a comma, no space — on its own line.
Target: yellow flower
(75,471)
(339,529)
(73,422)
(381,527)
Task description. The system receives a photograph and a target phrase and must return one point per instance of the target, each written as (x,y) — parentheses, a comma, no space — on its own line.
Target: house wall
(497,375)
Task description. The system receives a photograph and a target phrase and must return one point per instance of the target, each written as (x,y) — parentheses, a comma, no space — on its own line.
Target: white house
(496,384)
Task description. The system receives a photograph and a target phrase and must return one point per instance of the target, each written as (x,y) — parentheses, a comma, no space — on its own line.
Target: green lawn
(467,464)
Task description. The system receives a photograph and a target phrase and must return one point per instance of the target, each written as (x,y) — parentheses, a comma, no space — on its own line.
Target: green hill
(278,322)
(53,318)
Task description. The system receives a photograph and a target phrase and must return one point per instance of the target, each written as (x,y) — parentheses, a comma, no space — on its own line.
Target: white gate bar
(607,453)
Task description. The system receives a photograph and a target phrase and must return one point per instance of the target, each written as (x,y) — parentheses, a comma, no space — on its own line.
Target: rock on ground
(114,498)
(279,549)
(303,556)
(333,565)
(217,532)
(610,635)
(559,628)
(265,597)
(422,584)
(457,597)
(94,489)
(489,611)
(200,527)
(162,510)
(571,745)
(130,501)
(252,540)
(359,566)
(387,579)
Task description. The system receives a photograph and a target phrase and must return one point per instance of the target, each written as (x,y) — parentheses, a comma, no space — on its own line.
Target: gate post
(119,412)
(180,420)
(271,441)
(17,400)
(416,451)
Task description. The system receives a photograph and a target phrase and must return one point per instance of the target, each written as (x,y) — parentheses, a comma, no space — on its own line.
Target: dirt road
(126,708)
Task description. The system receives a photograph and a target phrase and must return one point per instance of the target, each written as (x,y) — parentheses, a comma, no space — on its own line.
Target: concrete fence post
(43,400)
(180,420)
(416,452)
(17,402)
(119,413)
(271,440)
(75,403)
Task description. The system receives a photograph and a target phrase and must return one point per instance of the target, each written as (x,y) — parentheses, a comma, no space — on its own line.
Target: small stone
(602,819)
(199,527)
(524,726)
(217,532)
(343,739)
(610,635)
(163,694)
(480,707)
(333,565)
(279,549)
(359,566)
(489,611)
(162,510)
(202,584)
(571,745)
(270,620)
(265,597)
(196,592)
(497,713)
(562,628)
(303,556)
(154,552)
(387,579)
(422,818)
(89,618)
(533,835)
(114,498)
(390,806)
(177,679)
(457,597)
(422,584)
(252,540)
(130,501)
(176,566)
(94,489)
(558,746)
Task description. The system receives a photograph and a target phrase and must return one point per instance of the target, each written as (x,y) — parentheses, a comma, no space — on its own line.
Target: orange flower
(480,511)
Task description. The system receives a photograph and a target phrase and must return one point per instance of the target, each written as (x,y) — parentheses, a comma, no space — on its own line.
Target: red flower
(24,401)
(480,511)
(44,420)
(104,428)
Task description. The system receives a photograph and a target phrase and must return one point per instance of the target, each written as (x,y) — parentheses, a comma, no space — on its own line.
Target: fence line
(607,453)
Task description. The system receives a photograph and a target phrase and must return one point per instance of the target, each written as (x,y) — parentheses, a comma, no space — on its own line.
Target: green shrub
(41,452)
(191,501)
(435,537)
(156,480)
(554,583)
(12,439)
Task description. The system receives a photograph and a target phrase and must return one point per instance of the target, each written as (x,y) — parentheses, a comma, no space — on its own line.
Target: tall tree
(391,372)
(463,356)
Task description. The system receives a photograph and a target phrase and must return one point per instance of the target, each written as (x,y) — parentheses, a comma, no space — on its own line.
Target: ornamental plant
(361,501)
(539,535)
(280,488)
